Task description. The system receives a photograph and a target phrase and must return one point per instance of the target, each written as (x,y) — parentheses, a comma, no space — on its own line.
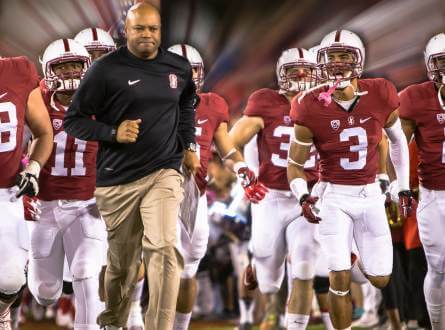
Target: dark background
(241,40)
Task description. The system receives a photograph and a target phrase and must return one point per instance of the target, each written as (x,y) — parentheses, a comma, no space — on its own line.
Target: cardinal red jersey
(275,138)
(347,141)
(70,172)
(18,79)
(311,167)
(420,104)
(212,111)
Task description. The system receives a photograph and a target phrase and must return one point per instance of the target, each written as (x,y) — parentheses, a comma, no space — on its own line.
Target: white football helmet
(195,60)
(60,51)
(342,72)
(296,80)
(434,50)
(96,39)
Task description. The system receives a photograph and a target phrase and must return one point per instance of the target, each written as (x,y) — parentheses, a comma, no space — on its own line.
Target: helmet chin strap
(326,97)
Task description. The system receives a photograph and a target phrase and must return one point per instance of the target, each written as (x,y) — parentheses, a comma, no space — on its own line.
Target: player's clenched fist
(128,131)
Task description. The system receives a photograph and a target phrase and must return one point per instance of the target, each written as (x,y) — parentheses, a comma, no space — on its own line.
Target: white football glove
(27,180)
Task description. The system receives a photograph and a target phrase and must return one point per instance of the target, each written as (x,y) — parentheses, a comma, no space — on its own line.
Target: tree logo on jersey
(57,124)
(351,120)
(441,118)
(173,80)
(335,124)
(287,120)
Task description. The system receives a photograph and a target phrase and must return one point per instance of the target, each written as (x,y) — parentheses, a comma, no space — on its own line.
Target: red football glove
(31,206)
(406,203)
(254,190)
(309,210)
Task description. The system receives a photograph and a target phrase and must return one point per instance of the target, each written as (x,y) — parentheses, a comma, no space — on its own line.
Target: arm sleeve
(88,101)
(399,153)
(187,102)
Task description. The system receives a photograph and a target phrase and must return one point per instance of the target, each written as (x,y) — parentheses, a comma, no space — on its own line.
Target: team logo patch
(335,124)
(351,120)
(173,80)
(57,123)
(287,120)
(441,118)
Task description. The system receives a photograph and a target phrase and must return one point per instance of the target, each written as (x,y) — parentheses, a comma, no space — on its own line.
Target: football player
(345,124)
(277,227)
(97,42)
(20,103)
(69,223)
(212,115)
(422,109)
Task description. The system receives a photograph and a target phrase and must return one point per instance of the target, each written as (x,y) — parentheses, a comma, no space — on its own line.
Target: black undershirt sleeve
(88,101)
(187,103)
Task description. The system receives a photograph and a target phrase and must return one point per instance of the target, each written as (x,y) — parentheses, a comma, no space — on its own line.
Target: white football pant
(73,229)
(431,221)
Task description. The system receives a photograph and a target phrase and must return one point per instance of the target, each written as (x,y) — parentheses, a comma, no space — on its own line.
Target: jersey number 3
(277,160)
(361,148)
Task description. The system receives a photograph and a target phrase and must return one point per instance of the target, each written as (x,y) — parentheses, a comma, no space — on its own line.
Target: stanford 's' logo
(351,120)
(173,80)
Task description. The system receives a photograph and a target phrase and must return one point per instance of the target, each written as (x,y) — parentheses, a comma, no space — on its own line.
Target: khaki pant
(142,215)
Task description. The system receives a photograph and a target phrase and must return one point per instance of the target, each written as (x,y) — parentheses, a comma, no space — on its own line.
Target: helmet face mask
(69,74)
(297,77)
(436,68)
(341,58)
(296,71)
(198,75)
(64,51)
(340,64)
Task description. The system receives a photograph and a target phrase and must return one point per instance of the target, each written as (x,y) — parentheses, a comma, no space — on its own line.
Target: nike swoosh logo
(199,122)
(130,83)
(4,94)
(362,121)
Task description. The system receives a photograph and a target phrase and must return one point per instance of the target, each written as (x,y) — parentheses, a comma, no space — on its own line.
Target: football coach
(138,102)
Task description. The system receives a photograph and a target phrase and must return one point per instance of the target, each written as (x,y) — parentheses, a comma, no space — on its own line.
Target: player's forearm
(399,153)
(294,172)
(41,148)
(297,180)
(243,131)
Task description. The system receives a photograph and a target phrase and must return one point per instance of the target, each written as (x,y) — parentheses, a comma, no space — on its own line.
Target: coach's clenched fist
(128,131)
